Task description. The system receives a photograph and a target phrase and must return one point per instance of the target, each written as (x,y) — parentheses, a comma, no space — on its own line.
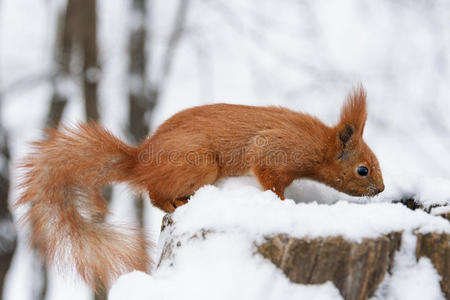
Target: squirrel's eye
(362,171)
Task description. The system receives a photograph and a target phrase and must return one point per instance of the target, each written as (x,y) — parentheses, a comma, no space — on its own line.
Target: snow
(415,281)
(410,279)
(234,204)
(440,210)
(237,213)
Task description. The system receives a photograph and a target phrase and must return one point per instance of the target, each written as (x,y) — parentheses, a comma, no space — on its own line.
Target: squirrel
(64,175)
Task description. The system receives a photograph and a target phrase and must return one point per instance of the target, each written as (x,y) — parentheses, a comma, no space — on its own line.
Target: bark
(356,269)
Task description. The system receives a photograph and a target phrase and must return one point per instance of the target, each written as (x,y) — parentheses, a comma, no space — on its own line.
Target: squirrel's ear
(353,119)
(346,133)
(354,112)
(345,140)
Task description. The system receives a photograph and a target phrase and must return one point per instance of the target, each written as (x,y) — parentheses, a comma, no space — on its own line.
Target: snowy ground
(244,52)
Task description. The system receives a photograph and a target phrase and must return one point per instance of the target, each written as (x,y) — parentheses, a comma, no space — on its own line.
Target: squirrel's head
(353,167)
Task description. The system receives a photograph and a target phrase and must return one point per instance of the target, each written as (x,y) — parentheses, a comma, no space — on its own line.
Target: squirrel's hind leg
(161,202)
(171,185)
(167,204)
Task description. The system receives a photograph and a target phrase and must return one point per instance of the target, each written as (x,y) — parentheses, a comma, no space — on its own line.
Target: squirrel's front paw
(168,207)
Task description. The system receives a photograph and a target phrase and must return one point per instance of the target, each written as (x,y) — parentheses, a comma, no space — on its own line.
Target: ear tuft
(354,110)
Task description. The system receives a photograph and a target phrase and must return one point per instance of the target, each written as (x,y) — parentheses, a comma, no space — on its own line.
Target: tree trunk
(62,57)
(8,237)
(79,34)
(87,24)
(139,102)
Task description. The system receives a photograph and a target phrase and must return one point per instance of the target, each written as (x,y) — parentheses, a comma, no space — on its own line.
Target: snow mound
(237,213)
(237,205)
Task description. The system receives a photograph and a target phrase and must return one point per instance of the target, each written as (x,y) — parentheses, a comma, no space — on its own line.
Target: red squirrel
(64,175)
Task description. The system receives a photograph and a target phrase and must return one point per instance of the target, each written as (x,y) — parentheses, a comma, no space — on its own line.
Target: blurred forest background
(130,64)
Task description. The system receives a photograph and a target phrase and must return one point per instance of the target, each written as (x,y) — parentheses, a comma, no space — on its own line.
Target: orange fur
(193,148)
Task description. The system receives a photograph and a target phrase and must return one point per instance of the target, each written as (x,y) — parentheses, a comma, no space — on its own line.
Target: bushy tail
(65,208)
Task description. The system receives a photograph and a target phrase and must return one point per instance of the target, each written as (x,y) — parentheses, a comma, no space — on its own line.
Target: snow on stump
(234,241)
